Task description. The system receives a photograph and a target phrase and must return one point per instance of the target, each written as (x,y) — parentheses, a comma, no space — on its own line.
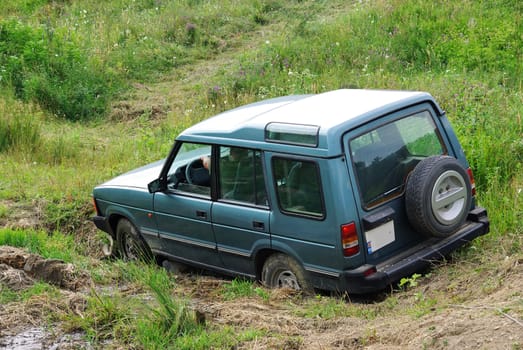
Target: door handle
(258,225)
(201,214)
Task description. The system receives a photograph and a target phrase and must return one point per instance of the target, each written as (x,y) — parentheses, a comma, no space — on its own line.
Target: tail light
(349,239)
(472,182)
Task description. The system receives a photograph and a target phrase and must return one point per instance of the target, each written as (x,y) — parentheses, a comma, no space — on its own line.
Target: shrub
(47,66)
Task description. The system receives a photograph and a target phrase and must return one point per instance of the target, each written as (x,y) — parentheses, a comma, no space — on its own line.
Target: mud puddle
(37,338)
(30,339)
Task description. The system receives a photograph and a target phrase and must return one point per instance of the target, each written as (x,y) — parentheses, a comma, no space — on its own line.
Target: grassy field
(89,89)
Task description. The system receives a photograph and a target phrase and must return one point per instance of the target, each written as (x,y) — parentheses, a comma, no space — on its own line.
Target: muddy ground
(481,317)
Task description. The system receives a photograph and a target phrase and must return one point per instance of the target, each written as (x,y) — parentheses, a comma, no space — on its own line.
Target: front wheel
(282,271)
(131,245)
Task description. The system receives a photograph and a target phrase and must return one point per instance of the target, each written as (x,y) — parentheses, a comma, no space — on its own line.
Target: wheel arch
(263,254)
(113,222)
(115,214)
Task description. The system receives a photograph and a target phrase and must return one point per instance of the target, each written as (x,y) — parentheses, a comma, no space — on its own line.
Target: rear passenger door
(240,215)
(300,223)
(382,155)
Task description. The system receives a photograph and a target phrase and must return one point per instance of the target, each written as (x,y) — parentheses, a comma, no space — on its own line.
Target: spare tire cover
(438,196)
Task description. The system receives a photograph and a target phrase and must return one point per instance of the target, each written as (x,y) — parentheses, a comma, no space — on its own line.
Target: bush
(47,67)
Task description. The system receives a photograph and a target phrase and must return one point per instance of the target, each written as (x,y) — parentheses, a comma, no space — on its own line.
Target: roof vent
(292,134)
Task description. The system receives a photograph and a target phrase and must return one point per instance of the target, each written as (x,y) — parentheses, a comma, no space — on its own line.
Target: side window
(190,170)
(383,157)
(240,176)
(298,187)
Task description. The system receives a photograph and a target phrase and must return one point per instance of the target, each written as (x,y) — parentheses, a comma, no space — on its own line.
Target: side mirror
(154,186)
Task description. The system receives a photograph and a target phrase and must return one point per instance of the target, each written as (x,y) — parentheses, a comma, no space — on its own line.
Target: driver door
(183,211)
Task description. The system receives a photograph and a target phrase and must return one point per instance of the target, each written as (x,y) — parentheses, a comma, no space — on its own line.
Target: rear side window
(298,187)
(383,157)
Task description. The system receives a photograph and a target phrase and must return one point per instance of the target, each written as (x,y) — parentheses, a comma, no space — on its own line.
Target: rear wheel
(130,243)
(438,196)
(282,271)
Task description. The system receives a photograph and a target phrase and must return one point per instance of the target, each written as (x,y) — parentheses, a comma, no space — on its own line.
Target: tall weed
(171,317)
(20,128)
(20,133)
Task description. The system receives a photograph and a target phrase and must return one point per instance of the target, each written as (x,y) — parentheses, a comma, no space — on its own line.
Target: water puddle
(30,339)
(36,339)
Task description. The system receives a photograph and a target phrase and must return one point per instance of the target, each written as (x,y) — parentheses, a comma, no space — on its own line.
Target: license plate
(380,236)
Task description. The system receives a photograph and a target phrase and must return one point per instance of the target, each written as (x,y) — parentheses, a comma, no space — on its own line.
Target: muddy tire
(131,245)
(282,271)
(438,196)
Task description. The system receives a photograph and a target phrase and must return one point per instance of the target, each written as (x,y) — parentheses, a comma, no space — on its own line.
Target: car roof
(333,113)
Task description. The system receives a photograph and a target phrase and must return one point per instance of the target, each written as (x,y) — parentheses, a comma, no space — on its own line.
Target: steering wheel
(191,168)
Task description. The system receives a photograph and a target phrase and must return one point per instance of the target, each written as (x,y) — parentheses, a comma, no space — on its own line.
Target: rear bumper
(416,259)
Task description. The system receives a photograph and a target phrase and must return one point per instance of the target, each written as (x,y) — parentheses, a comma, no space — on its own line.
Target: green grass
(46,65)
(4,210)
(225,338)
(37,289)
(19,129)
(152,317)
(65,65)
(239,288)
(54,245)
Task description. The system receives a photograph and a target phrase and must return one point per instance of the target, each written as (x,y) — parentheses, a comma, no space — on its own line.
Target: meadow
(90,89)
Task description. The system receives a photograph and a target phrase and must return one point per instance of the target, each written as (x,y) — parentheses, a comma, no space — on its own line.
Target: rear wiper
(385,194)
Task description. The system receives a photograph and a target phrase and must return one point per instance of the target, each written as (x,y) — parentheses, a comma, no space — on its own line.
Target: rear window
(383,157)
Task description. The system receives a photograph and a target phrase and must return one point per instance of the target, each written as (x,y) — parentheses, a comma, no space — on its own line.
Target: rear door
(382,154)
(304,223)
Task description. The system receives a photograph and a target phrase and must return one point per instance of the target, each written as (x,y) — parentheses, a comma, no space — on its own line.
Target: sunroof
(294,134)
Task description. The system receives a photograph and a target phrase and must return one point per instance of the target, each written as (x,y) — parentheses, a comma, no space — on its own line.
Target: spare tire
(438,196)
